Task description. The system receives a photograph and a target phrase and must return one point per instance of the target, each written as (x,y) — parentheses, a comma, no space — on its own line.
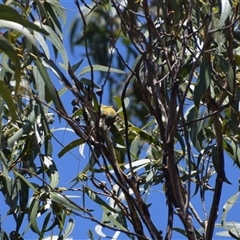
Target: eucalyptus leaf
(27,124)
(49,85)
(204,81)
(70,227)
(70,146)
(6,96)
(19,28)
(10,15)
(100,68)
(7,48)
(33,212)
(225,12)
(77,65)
(227,206)
(98,200)
(53,38)
(65,202)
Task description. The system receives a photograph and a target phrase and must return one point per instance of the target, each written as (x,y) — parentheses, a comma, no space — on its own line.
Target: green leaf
(39,83)
(235,233)
(9,190)
(77,65)
(204,81)
(118,102)
(138,164)
(51,171)
(191,114)
(225,12)
(88,82)
(7,48)
(78,113)
(90,235)
(227,206)
(135,148)
(101,69)
(30,185)
(23,201)
(43,12)
(226,68)
(64,201)
(215,160)
(97,199)
(113,220)
(54,39)
(42,42)
(70,146)
(46,221)
(117,137)
(238,157)
(19,28)
(56,25)
(59,10)
(6,95)
(126,104)
(49,85)
(70,227)
(33,212)
(11,15)
(144,135)
(5,63)
(55,69)
(181,141)
(30,121)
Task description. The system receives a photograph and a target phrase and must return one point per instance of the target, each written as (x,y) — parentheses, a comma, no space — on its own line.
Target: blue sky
(70,164)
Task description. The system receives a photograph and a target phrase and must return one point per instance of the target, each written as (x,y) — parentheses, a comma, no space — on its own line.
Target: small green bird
(109,113)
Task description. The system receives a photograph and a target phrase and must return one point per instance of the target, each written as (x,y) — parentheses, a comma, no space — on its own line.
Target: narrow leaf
(97,199)
(52,171)
(225,12)
(77,65)
(64,201)
(33,211)
(19,28)
(11,15)
(7,48)
(70,146)
(25,126)
(30,185)
(49,85)
(101,68)
(8,99)
(42,42)
(88,82)
(46,221)
(134,148)
(227,206)
(57,7)
(68,230)
(54,39)
(204,81)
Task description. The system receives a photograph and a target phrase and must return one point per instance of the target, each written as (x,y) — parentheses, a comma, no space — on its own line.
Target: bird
(109,113)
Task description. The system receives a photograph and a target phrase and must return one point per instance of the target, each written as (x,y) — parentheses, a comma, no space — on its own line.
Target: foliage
(175,119)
